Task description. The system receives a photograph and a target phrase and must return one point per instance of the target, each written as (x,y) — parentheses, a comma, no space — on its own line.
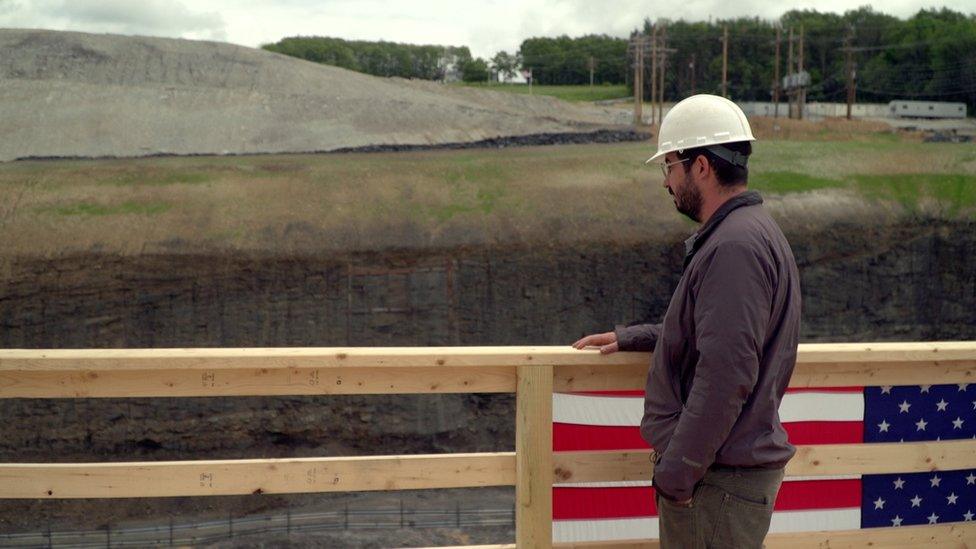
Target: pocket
(665,502)
(749,500)
(680,526)
(695,493)
(743,521)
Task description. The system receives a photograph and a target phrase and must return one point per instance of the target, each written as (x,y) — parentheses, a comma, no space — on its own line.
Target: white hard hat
(703,121)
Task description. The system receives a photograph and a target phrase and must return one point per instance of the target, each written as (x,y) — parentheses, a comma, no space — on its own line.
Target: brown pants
(728,509)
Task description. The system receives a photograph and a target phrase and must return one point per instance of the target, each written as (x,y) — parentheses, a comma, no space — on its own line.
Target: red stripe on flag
(825,432)
(601,503)
(798,495)
(568,437)
(624,502)
(640,392)
(572,437)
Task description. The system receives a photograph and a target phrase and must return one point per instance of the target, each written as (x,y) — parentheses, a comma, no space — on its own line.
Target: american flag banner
(609,420)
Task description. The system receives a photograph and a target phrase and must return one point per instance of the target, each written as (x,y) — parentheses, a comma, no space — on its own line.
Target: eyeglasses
(666,167)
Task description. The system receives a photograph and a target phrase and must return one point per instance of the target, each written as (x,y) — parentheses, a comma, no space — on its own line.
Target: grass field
(309,203)
(566,93)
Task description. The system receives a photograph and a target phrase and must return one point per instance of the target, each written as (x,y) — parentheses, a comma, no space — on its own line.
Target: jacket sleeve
(637,337)
(733,298)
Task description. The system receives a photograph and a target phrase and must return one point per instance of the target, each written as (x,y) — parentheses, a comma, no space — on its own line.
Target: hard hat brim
(656,158)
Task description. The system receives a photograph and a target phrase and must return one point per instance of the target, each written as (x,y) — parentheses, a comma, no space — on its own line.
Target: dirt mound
(87,95)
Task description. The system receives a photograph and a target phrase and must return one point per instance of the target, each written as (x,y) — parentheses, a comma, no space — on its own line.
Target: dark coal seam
(530,140)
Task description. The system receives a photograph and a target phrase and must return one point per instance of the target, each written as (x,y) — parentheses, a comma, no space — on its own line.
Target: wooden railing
(532,373)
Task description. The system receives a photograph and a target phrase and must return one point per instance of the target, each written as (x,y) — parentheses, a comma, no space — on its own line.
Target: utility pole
(638,47)
(660,80)
(851,68)
(654,74)
(776,82)
(691,66)
(592,66)
(790,92)
(725,61)
(803,89)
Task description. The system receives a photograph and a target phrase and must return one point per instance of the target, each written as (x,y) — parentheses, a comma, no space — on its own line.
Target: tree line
(427,62)
(931,55)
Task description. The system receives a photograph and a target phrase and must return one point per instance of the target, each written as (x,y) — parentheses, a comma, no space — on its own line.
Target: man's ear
(702,166)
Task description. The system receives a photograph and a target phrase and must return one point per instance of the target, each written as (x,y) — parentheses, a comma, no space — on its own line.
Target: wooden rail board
(955,535)
(226,477)
(301,357)
(249,381)
(811,460)
(317,371)
(254,476)
(818,365)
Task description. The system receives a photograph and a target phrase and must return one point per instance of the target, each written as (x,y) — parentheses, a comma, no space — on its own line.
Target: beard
(688,199)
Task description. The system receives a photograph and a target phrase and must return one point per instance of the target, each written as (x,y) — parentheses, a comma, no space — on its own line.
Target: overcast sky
(486,26)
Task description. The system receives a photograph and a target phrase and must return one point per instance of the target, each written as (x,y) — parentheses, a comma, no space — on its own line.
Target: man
(724,354)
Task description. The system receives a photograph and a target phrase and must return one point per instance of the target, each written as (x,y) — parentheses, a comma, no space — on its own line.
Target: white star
(935,480)
(904,406)
(962,386)
(883,426)
(886,389)
(971,479)
(952,498)
(941,405)
(879,503)
(968,516)
(933,518)
(974,405)
(924,388)
(899,483)
(920,425)
(957,424)
(916,501)
(896,521)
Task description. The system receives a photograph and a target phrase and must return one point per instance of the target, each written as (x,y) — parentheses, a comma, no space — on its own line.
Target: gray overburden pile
(67,94)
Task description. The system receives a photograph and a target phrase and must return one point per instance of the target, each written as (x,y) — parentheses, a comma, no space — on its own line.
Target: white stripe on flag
(570,531)
(628,410)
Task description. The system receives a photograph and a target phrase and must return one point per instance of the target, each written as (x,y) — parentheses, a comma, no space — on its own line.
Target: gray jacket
(725,352)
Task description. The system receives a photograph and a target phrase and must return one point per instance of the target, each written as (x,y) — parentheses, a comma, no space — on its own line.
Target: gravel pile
(68,94)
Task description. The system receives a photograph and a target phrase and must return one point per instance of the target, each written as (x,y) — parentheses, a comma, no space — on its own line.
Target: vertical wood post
(776,78)
(725,61)
(533,457)
(849,50)
(790,92)
(660,79)
(802,99)
(654,81)
(638,44)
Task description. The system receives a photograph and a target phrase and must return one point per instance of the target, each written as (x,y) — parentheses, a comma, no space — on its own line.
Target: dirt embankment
(900,281)
(68,94)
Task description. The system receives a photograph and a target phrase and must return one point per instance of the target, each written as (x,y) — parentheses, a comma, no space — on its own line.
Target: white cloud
(144,17)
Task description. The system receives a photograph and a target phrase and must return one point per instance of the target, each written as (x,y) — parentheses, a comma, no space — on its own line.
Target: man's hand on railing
(607,342)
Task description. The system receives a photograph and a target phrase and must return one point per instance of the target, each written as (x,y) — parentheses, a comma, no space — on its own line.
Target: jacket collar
(694,242)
